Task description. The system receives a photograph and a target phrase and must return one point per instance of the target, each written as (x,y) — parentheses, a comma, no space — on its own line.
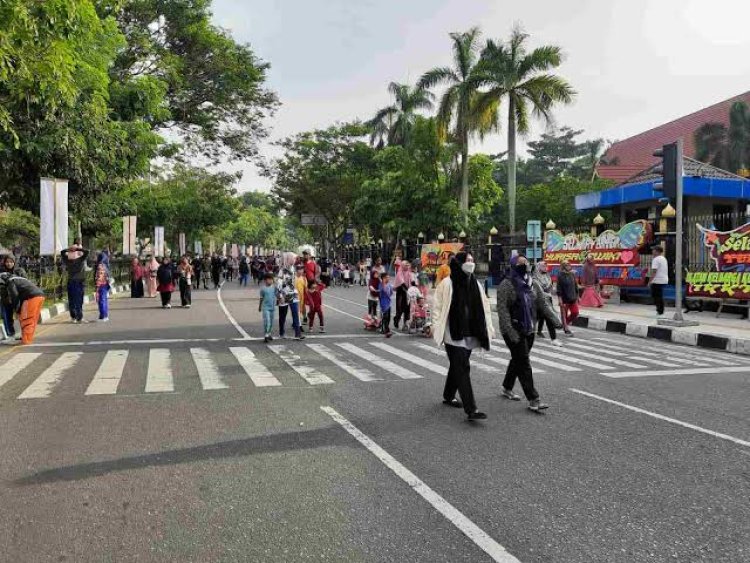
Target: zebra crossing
(43,375)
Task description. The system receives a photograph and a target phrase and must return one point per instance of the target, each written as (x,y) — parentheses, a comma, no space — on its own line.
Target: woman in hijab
(136,279)
(542,277)
(153,267)
(165,276)
(518,299)
(590,279)
(402,285)
(567,293)
(461,321)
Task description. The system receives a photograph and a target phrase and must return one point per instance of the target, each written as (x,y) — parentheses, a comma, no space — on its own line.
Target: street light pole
(678,238)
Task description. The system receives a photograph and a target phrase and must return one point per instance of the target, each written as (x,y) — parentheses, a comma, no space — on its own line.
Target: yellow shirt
(443,272)
(301,284)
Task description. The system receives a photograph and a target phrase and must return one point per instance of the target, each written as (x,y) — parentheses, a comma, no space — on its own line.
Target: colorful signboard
(616,253)
(434,255)
(730,252)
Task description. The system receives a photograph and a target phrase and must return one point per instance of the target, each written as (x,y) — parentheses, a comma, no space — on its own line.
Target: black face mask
(521,269)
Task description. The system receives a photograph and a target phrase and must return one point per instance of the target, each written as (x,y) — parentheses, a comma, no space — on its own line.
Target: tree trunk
(464,200)
(511,165)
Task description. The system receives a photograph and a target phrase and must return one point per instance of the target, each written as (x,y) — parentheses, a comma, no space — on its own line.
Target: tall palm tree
(524,79)
(393,124)
(726,147)
(458,109)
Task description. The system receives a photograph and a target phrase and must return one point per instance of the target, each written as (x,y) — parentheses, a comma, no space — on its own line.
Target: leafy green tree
(486,195)
(322,172)
(19,228)
(726,147)
(215,94)
(555,200)
(55,118)
(458,110)
(509,72)
(393,123)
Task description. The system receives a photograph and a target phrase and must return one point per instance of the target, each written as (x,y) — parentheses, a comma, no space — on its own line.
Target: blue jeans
(10,328)
(267,321)
(243,279)
(294,309)
(102,294)
(75,299)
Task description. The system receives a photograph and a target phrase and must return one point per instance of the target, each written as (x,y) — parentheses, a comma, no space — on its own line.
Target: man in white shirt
(658,278)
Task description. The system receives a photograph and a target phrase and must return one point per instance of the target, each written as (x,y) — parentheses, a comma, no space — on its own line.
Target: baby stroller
(371,323)
(420,320)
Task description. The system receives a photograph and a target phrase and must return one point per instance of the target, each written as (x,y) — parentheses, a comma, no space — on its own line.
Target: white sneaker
(557,343)
(84,321)
(104,320)
(169,306)
(187,306)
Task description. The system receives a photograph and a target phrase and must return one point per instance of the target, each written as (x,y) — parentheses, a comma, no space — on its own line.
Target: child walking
(386,296)
(267,305)
(185,282)
(314,302)
(101,282)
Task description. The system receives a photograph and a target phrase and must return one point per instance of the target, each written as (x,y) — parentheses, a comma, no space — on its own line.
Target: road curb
(669,334)
(49,313)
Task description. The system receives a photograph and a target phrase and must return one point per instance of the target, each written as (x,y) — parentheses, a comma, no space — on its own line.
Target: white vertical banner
(211,246)
(183,244)
(235,251)
(224,250)
(243,250)
(198,248)
(159,241)
(53,216)
(128,235)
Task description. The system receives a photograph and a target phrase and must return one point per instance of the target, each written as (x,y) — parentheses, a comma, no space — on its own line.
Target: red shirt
(310,268)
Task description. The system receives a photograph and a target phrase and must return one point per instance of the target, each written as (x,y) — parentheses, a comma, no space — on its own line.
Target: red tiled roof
(635,153)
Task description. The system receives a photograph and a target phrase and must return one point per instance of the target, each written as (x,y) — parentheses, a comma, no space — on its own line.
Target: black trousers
(186,295)
(550,325)
(402,304)
(372,308)
(459,377)
(385,325)
(657,292)
(520,366)
(166,298)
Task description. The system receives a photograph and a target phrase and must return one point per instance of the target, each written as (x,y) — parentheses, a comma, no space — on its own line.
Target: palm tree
(509,71)
(392,124)
(458,107)
(726,147)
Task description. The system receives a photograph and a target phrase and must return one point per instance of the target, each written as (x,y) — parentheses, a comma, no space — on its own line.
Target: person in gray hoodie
(74,260)
(542,277)
(518,300)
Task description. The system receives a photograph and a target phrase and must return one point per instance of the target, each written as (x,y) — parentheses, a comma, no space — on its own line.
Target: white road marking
(208,371)
(709,370)
(294,361)
(159,377)
(665,418)
(107,377)
(256,371)
(48,380)
(440,352)
(617,353)
(382,363)
(437,368)
(578,353)
(496,551)
(562,356)
(360,373)
(349,301)
(229,316)
(692,353)
(343,312)
(14,365)
(123,342)
(536,359)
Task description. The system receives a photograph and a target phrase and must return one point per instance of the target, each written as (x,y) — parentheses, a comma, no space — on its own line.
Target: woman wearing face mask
(567,293)
(542,277)
(518,300)
(462,321)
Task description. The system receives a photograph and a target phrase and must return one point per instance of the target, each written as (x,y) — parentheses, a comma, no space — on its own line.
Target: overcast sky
(634,63)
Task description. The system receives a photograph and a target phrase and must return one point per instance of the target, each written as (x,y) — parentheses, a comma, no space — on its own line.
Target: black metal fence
(51,277)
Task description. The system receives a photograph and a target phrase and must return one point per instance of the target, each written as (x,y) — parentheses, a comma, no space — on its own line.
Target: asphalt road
(179,436)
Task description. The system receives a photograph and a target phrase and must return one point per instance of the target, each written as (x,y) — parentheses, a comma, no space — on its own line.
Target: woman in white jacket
(462,322)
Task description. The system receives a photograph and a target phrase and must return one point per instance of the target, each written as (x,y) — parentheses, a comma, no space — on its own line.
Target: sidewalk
(728,332)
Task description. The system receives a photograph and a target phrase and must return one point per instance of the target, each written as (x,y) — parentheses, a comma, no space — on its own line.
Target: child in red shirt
(314,302)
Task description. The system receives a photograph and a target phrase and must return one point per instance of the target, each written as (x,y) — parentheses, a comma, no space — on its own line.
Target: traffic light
(669,169)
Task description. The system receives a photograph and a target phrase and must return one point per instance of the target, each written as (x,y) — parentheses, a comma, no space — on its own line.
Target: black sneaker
(540,335)
(265,339)
(477,415)
(453,403)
